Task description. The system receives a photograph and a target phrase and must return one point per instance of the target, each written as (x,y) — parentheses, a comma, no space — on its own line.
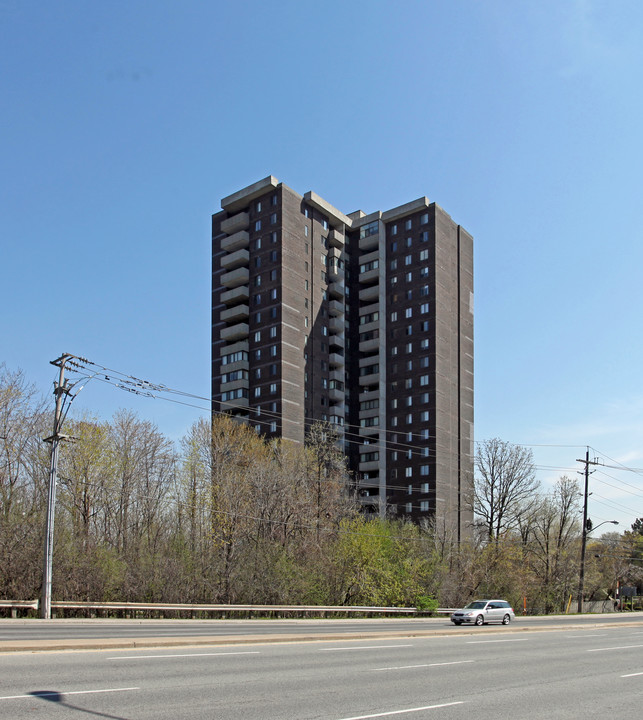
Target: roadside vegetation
(225,517)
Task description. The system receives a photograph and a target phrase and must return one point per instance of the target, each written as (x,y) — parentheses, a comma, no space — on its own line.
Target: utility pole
(60,389)
(581,576)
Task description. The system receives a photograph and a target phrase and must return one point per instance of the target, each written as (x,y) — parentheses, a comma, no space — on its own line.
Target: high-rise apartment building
(365,321)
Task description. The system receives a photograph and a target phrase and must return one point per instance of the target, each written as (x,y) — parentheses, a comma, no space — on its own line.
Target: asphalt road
(39,634)
(490,673)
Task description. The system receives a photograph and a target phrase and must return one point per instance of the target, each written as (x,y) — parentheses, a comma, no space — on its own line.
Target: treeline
(225,517)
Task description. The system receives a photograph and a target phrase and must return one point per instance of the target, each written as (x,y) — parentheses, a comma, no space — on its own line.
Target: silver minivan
(480,612)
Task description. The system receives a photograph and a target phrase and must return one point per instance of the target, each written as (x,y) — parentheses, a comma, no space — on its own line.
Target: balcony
(239,294)
(336,360)
(369,466)
(234,385)
(239,405)
(235,332)
(239,258)
(236,313)
(336,239)
(235,278)
(371,379)
(336,290)
(369,277)
(370,242)
(241,346)
(335,308)
(238,241)
(335,273)
(336,341)
(370,293)
(368,346)
(336,395)
(336,325)
(231,225)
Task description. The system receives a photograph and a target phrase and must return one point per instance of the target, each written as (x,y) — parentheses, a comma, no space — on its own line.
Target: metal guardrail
(134,608)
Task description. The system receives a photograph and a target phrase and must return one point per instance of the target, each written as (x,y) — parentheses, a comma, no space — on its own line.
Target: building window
(424,326)
(424,487)
(424,290)
(424,344)
(273,236)
(257,392)
(273,218)
(394,264)
(424,505)
(424,308)
(409,490)
(273,426)
(424,362)
(409,277)
(409,224)
(306,321)
(258,244)
(393,229)
(409,400)
(408,383)
(424,397)
(273,200)
(424,380)
(371,228)
(409,507)
(273,294)
(306,230)
(273,351)
(273,388)
(424,218)
(273,331)
(409,418)
(394,246)
(273,274)
(273,313)
(257,336)
(394,316)
(408,313)
(424,254)
(257,280)
(408,472)
(424,470)
(424,416)
(424,272)
(258,225)
(273,369)
(325,224)
(258,206)
(408,259)
(273,256)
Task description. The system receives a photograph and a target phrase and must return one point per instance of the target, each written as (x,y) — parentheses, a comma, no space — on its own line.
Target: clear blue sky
(124,123)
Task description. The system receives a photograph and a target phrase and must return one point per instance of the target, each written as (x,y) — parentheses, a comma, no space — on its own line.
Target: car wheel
(479,620)
(506,619)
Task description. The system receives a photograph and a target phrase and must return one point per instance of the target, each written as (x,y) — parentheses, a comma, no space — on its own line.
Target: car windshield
(477,605)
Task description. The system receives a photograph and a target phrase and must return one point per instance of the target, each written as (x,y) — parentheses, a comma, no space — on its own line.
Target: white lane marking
(585,636)
(365,647)
(62,693)
(409,667)
(632,674)
(478,642)
(622,647)
(152,657)
(401,712)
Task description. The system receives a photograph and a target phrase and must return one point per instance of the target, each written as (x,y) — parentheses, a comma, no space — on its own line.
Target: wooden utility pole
(60,389)
(581,576)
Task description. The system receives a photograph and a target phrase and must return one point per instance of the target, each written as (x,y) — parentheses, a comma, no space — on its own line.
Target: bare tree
(505,486)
